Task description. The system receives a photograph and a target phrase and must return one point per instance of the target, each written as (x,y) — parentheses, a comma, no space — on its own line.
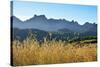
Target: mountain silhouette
(61,29)
(42,23)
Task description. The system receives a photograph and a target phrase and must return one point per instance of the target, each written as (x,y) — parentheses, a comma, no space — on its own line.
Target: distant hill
(62,34)
(42,23)
(60,29)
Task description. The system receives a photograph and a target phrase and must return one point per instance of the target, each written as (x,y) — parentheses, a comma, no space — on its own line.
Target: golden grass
(50,52)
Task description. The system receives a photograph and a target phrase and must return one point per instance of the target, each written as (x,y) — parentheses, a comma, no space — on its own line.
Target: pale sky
(80,13)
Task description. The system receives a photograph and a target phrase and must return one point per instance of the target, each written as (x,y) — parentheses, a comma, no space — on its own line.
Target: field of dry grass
(50,52)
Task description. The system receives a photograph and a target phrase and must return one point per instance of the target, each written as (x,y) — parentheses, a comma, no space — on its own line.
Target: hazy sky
(81,13)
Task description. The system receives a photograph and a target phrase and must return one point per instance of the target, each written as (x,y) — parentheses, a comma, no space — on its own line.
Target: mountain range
(60,28)
(42,23)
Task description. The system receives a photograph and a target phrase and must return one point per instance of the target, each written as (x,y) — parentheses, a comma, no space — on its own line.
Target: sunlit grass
(32,52)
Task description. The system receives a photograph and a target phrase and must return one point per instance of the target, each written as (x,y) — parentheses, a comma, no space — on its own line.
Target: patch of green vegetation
(89,41)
